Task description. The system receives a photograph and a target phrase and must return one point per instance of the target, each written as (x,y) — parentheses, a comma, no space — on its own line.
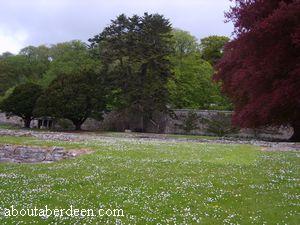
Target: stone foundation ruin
(28,154)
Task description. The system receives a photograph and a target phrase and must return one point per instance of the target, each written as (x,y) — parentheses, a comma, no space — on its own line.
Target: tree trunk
(78,126)
(78,123)
(27,122)
(296,135)
(142,123)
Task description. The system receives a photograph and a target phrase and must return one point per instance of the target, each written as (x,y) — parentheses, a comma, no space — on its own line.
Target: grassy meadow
(156,182)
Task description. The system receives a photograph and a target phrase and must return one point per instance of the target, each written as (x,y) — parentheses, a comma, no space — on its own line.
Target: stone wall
(214,122)
(184,121)
(197,122)
(14,120)
(198,118)
(29,154)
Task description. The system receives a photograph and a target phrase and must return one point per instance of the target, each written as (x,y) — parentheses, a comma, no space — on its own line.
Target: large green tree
(212,48)
(28,66)
(21,102)
(184,43)
(4,55)
(13,70)
(67,58)
(76,96)
(134,51)
(38,59)
(192,86)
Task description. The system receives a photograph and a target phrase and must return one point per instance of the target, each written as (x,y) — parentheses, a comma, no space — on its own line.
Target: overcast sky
(35,22)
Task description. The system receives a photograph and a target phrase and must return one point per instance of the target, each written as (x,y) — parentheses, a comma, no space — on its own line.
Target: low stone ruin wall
(218,123)
(14,120)
(26,154)
(197,122)
(184,121)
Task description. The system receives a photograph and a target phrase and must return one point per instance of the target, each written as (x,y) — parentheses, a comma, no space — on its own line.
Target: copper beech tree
(260,69)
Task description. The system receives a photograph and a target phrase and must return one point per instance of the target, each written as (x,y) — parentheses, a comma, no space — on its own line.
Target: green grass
(157,183)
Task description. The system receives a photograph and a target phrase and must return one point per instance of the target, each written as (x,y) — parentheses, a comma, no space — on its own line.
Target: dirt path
(86,136)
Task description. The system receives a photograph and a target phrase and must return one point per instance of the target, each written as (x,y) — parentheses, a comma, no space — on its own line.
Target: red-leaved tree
(260,69)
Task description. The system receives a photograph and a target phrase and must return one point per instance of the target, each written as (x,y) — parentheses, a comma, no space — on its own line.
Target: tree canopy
(4,55)
(134,52)
(22,101)
(212,48)
(68,58)
(74,96)
(13,70)
(260,67)
(184,43)
(28,66)
(192,86)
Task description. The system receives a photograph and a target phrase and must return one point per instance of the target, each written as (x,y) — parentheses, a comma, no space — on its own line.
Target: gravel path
(86,136)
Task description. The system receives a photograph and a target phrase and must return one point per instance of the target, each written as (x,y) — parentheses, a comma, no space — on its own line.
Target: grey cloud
(52,21)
